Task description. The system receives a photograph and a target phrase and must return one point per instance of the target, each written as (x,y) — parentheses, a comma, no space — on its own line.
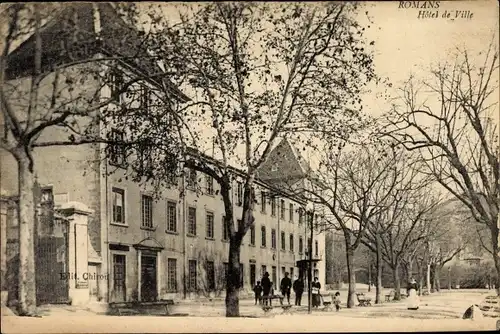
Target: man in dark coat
(286,286)
(298,288)
(266,288)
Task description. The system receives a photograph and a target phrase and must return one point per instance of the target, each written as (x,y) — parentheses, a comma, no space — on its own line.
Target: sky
(406,44)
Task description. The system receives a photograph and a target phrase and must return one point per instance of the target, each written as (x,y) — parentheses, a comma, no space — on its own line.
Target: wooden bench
(327,303)
(390,296)
(137,308)
(286,309)
(363,300)
(267,308)
(270,299)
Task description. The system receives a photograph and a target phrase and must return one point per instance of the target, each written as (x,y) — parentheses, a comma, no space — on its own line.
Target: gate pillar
(77,214)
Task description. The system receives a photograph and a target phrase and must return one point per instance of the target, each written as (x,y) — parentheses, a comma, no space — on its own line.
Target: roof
(284,163)
(74,29)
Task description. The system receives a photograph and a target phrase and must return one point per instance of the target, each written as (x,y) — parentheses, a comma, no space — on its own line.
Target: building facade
(142,246)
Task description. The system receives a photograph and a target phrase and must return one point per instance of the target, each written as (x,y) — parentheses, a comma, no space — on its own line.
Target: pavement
(439,311)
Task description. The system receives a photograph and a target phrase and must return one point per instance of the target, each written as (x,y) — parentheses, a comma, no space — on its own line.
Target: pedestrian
(285,287)
(336,301)
(413,301)
(257,289)
(266,287)
(298,288)
(316,287)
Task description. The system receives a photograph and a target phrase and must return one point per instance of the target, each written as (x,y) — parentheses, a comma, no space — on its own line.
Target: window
(210,271)
(209,220)
(145,97)
(144,155)
(316,248)
(301,216)
(192,276)
(171,275)
(283,240)
(147,211)
(273,238)
(239,193)
(301,245)
(291,212)
(263,201)
(225,229)
(263,236)
(209,184)
(116,84)
(291,243)
(171,216)
(263,270)
(191,221)
(191,179)
(116,148)
(283,271)
(252,235)
(282,203)
(291,272)
(273,206)
(118,206)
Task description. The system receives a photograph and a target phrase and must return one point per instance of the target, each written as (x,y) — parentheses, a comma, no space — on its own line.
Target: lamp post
(449,278)
(310,215)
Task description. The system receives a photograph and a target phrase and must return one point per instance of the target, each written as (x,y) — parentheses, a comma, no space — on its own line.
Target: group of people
(264,291)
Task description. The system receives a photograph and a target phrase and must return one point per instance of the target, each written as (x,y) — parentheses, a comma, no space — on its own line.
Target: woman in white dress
(413,300)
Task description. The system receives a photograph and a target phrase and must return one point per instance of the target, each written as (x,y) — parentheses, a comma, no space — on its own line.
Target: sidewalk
(286,324)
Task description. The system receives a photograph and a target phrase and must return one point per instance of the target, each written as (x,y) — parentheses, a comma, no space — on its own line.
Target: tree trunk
(370,276)
(378,288)
(350,271)
(428,278)
(496,255)
(233,280)
(27,284)
(406,274)
(420,278)
(437,278)
(397,282)
(432,277)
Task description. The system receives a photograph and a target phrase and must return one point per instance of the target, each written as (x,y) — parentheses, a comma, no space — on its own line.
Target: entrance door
(252,275)
(119,271)
(148,278)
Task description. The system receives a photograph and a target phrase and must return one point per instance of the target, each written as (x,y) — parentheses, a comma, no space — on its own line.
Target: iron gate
(52,277)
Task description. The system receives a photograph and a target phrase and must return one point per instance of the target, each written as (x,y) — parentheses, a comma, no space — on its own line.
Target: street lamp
(310,216)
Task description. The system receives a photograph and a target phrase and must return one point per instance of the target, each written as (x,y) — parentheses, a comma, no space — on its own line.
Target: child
(257,289)
(336,301)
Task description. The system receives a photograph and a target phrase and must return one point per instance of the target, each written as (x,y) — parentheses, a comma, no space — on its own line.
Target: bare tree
(260,71)
(449,119)
(353,187)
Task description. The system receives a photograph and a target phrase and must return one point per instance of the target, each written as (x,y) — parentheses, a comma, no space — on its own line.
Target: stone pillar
(77,214)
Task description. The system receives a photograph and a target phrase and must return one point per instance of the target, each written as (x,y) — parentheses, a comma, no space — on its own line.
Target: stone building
(114,240)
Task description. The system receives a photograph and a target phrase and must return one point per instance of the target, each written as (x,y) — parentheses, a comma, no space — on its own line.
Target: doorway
(148,278)
(119,272)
